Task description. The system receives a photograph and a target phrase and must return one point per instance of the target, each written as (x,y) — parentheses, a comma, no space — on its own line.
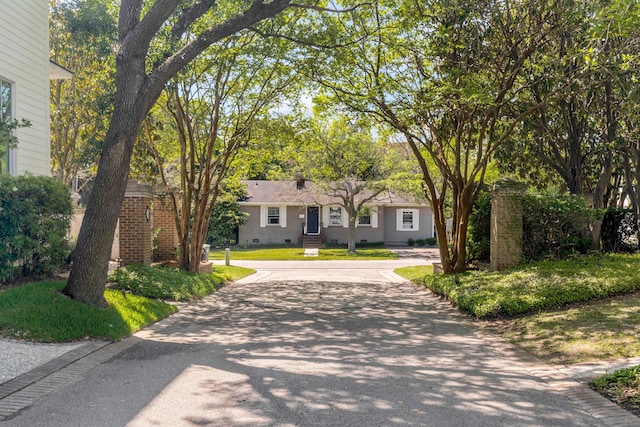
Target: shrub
(411,242)
(431,241)
(226,216)
(478,241)
(165,283)
(619,231)
(35,212)
(420,242)
(555,225)
(538,286)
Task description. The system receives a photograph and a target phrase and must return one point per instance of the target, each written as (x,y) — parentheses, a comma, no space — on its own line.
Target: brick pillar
(506,224)
(164,226)
(136,224)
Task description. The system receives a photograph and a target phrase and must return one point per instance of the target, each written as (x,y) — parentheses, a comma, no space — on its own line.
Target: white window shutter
(325,216)
(263,216)
(416,219)
(374,217)
(398,219)
(345,218)
(283,216)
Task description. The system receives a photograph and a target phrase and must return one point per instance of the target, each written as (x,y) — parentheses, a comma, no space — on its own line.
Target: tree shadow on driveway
(327,354)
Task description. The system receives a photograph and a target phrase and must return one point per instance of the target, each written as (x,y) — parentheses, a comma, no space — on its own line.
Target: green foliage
(39,312)
(538,286)
(480,228)
(411,242)
(416,273)
(34,220)
(431,241)
(622,386)
(555,225)
(619,231)
(226,216)
(165,283)
(81,35)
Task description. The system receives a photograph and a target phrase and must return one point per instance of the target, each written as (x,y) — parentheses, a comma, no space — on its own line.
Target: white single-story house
(284,212)
(25,71)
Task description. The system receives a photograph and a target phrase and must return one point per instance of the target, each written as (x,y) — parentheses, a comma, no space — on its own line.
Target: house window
(273,215)
(407,220)
(6,115)
(364,218)
(335,216)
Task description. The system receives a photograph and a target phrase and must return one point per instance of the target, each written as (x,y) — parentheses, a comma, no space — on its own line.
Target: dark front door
(313,220)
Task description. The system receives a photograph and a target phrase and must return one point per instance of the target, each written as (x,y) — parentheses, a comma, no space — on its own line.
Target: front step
(311,242)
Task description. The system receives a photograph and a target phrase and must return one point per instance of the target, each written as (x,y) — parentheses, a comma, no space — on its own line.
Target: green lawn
(538,286)
(39,312)
(296,254)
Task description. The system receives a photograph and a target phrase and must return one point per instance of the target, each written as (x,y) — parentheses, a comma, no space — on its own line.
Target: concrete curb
(21,392)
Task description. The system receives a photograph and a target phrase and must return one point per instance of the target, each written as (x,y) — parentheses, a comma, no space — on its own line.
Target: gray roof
(287,193)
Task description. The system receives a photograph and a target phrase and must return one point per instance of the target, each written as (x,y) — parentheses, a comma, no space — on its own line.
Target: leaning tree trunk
(91,260)
(88,276)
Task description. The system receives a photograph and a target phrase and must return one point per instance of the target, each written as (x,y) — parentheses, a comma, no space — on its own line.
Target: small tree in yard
(346,163)
(226,216)
(212,104)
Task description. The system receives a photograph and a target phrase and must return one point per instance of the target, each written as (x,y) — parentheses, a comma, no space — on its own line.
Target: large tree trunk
(91,259)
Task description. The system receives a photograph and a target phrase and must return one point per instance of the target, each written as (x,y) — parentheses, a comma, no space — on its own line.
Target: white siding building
(24,83)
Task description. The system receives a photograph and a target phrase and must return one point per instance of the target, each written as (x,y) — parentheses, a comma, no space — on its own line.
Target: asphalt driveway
(315,345)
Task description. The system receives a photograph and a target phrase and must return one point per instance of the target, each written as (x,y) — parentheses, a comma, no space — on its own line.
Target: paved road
(320,346)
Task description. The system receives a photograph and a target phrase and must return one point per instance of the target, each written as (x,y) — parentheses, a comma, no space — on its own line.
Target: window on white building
(365,217)
(407,220)
(273,215)
(335,216)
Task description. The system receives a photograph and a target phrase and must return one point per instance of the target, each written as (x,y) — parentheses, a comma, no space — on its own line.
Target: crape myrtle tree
(346,163)
(213,103)
(140,80)
(447,76)
(81,34)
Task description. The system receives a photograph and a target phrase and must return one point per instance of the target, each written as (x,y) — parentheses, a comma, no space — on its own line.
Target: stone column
(506,224)
(136,224)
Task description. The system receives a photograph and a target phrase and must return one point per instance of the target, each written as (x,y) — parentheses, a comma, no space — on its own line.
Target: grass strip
(172,283)
(539,286)
(39,312)
(297,254)
(622,387)
(597,330)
